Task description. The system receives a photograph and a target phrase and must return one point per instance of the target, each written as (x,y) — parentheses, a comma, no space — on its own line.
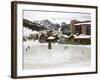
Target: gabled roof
(84,23)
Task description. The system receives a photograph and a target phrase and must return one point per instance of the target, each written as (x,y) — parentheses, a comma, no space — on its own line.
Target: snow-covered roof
(51,37)
(35,32)
(83,23)
(63,36)
(82,37)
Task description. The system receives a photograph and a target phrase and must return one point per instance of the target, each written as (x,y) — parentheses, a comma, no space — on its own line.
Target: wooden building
(43,38)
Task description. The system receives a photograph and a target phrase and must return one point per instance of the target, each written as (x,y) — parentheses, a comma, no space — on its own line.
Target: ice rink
(37,55)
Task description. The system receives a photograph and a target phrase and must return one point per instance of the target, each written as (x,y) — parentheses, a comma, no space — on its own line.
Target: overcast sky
(56,17)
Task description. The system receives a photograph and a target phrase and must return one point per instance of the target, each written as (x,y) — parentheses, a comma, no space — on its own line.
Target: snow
(66,36)
(61,55)
(35,32)
(51,37)
(26,31)
(82,36)
(83,23)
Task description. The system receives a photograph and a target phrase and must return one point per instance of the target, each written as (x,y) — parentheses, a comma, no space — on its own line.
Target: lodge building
(80,27)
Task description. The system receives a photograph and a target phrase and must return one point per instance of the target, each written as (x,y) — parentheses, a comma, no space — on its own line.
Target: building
(80,27)
(43,38)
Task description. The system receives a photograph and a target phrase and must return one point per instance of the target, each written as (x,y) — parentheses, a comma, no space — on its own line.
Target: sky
(56,17)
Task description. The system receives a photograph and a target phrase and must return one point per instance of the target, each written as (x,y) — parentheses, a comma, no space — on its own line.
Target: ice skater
(26,50)
(28,47)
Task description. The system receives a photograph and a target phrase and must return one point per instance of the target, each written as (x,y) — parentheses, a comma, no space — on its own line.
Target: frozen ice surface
(61,55)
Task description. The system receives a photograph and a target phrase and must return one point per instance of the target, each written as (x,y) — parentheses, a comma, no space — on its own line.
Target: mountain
(41,25)
(48,24)
(32,25)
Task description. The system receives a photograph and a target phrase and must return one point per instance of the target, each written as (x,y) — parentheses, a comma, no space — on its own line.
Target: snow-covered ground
(37,55)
